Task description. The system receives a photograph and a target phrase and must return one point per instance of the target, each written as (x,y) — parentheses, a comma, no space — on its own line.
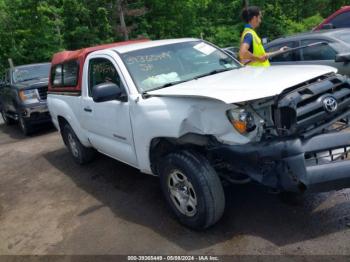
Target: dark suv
(23,93)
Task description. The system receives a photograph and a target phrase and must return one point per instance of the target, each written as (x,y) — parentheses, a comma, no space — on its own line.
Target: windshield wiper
(216,71)
(33,78)
(145,93)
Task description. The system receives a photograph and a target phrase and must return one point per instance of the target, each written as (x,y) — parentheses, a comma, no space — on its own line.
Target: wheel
(192,189)
(26,127)
(8,121)
(81,154)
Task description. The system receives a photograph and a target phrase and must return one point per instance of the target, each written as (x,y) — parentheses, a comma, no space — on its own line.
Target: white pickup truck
(186,111)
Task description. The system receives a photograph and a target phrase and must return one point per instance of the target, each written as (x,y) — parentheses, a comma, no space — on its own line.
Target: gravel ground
(49,205)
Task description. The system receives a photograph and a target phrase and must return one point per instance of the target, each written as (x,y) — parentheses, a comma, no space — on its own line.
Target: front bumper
(36,113)
(286,165)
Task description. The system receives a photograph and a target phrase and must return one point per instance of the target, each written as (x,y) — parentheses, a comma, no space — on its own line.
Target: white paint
(108,125)
(245,84)
(198,106)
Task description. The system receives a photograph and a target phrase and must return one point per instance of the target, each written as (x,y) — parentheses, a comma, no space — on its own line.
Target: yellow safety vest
(258,48)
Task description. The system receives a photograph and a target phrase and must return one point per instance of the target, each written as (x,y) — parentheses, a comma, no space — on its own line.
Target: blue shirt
(248,38)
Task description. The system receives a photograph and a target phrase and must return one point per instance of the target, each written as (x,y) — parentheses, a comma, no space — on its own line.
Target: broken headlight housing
(242,120)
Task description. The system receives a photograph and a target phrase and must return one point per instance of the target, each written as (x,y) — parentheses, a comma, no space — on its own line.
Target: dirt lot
(49,205)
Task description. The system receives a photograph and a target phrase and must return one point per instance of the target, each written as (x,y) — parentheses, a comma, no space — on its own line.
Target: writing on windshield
(152,68)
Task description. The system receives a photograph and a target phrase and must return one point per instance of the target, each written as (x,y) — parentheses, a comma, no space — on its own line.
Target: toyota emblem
(330,104)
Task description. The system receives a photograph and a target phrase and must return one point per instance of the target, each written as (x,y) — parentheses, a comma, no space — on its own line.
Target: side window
(65,75)
(318,52)
(341,20)
(101,71)
(57,76)
(285,57)
(70,73)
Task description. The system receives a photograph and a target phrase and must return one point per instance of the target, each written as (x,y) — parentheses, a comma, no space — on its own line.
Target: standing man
(252,51)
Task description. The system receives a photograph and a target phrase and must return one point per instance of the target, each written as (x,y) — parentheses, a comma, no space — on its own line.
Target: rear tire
(192,189)
(81,154)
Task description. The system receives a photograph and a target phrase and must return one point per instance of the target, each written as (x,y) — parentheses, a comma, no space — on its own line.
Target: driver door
(108,123)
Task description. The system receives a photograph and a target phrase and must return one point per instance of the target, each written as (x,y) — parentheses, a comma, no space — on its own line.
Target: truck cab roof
(82,53)
(79,57)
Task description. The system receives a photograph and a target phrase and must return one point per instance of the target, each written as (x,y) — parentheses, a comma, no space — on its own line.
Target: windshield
(162,66)
(25,73)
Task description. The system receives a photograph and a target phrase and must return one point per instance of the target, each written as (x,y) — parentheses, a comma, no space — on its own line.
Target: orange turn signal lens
(241,120)
(240,126)
(22,96)
(28,95)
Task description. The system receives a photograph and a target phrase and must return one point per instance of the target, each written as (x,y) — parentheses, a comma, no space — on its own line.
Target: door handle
(87,109)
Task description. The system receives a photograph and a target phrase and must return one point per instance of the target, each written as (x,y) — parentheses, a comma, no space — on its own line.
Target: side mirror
(107,92)
(264,40)
(328,26)
(345,57)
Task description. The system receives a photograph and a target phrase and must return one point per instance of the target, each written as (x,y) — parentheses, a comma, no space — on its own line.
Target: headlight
(29,96)
(241,120)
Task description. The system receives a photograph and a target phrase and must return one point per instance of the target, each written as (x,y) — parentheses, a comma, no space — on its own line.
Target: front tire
(26,127)
(8,121)
(81,154)
(192,189)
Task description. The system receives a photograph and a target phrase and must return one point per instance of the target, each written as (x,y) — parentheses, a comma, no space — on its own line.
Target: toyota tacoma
(187,112)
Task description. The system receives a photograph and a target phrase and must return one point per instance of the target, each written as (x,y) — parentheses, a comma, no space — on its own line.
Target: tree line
(33,30)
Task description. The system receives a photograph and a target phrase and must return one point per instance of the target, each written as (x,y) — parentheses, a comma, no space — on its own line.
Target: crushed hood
(246,83)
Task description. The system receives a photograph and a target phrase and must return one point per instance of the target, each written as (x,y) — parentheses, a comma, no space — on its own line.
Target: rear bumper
(294,164)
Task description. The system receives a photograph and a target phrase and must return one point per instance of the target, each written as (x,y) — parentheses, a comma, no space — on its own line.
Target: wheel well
(161,146)
(62,122)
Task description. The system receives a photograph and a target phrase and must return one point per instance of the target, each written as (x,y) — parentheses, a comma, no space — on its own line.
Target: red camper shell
(338,19)
(74,60)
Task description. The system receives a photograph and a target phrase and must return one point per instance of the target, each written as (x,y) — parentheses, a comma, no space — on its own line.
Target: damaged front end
(300,138)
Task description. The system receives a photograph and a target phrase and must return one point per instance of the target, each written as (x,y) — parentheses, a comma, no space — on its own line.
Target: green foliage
(306,24)
(310,22)
(33,30)
(85,23)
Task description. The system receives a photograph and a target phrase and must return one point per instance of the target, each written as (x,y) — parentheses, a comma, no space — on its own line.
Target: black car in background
(23,93)
(325,47)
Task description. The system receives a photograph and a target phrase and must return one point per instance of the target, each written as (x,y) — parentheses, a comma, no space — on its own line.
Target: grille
(327,156)
(303,111)
(43,92)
